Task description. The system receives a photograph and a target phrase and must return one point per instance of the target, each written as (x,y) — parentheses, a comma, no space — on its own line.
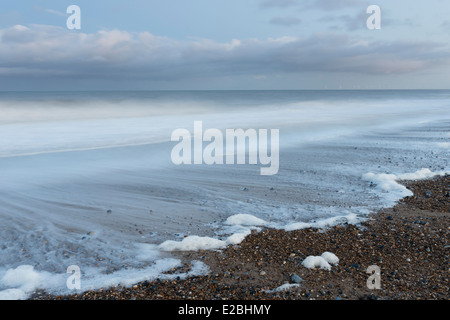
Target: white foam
(351,218)
(195,243)
(389,186)
(20,282)
(238,237)
(198,268)
(385,182)
(13,294)
(23,276)
(245,220)
(284,287)
(313,262)
(192,243)
(388,182)
(147,252)
(422,174)
(331,258)
(127,277)
(323,262)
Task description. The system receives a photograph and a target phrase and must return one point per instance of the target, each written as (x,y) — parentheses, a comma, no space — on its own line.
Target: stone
(296,279)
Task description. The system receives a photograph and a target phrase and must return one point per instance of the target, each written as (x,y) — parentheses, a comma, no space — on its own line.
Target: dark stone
(296,279)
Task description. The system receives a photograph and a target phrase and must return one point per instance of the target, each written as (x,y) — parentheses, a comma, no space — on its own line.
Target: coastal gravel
(409,244)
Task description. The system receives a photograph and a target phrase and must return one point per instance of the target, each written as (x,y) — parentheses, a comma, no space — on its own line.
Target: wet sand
(409,243)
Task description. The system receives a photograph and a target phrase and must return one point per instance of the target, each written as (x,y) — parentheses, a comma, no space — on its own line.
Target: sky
(224,45)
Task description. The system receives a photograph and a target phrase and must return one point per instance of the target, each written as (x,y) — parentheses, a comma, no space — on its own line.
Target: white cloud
(56,12)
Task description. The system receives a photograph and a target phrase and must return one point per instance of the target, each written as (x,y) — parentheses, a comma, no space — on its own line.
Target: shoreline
(408,242)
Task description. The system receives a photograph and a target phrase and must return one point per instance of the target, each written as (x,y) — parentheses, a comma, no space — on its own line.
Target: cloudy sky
(218,44)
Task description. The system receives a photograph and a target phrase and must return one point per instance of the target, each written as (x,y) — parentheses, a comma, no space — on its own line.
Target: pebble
(389,244)
(296,279)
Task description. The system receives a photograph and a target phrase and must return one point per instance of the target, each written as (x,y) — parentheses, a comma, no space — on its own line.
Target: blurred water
(86,177)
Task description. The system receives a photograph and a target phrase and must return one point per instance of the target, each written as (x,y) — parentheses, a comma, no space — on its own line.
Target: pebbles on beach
(408,243)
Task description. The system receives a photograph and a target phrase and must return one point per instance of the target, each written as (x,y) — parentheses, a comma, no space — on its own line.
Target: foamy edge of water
(22,281)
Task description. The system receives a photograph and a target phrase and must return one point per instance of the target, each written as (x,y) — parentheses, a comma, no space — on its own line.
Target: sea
(88,182)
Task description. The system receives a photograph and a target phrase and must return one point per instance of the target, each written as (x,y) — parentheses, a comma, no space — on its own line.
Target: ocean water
(86,178)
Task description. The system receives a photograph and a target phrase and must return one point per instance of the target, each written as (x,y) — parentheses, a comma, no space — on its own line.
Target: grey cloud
(332,5)
(343,54)
(445,25)
(357,21)
(278,3)
(325,5)
(51,52)
(285,21)
(346,21)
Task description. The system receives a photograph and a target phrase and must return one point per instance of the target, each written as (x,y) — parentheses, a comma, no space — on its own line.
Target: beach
(96,195)
(408,242)
(240,150)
